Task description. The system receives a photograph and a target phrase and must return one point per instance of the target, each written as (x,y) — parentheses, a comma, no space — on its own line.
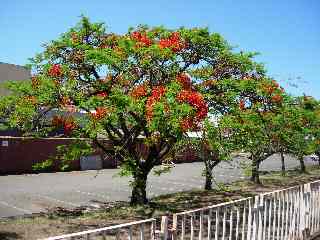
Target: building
(12,72)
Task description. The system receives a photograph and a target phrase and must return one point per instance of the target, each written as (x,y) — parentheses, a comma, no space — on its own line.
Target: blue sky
(286,32)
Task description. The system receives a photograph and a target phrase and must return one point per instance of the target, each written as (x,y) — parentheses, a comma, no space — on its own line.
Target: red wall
(22,153)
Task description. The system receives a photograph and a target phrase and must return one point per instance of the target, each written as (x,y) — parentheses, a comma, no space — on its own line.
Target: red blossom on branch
(242,104)
(276,98)
(186,124)
(139,92)
(156,94)
(102,95)
(275,84)
(68,124)
(174,42)
(100,113)
(141,38)
(55,70)
(272,87)
(196,100)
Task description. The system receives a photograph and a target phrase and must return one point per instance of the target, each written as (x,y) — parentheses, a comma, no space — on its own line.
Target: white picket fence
(292,213)
(287,214)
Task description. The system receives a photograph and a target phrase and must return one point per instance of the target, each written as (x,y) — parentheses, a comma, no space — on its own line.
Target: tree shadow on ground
(9,235)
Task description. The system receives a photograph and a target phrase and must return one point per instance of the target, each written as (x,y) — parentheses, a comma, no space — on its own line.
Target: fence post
(301,212)
(153,231)
(174,226)
(260,211)
(255,218)
(249,226)
(164,227)
(200,225)
(305,202)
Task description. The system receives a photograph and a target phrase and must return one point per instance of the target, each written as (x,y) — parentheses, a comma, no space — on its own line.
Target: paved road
(31,193)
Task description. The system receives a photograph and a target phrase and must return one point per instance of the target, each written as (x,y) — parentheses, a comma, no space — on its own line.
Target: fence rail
(288,214)
(132,230)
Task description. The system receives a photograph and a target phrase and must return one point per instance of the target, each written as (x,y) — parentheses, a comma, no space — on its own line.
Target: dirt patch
(61,221)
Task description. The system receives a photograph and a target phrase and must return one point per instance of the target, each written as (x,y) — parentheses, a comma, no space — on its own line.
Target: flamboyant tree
(230,80)
(230,83)
(300,127)
(136,88)
(295,128)
(251,124)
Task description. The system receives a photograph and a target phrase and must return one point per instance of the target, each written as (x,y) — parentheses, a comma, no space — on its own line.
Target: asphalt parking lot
(33,193)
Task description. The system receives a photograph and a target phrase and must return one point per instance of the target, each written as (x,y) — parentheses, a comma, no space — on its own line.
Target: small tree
(228,81)
(302,121)
(251,123)
(217,146)
(212,146)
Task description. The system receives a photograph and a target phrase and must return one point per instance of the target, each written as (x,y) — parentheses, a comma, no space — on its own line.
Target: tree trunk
(302,165)
(139,184)
(255,170)
(208,173)
(283,167)
(318,155)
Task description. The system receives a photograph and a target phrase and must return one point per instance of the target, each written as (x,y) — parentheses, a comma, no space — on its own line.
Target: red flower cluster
(156,94)
(68,124)
(242,104)
(100,113)
(55,70)
(186,124)
(139,91)
(274,90)
(102,95)
(275,84)
(272,87)
(141,38)
(174,42)
(196,100)
(276,98)
(184,80)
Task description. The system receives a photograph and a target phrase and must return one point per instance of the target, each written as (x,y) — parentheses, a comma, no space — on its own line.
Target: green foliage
(73,151)
(43,166)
